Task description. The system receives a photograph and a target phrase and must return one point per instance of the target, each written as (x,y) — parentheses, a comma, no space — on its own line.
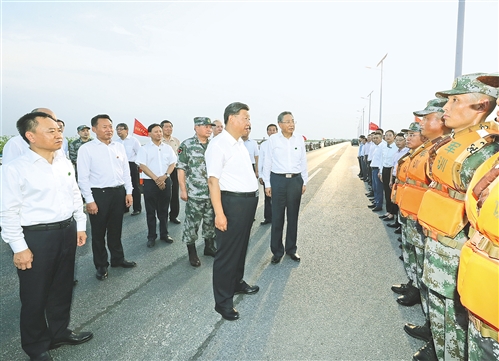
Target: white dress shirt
(261,158)
(252,147)
(102,165)
(15,147)
(37,192)
(388,152)
(156,158)
(367,147)
(227,159)
(132,146)
(285,156)
(396,157)
(377,155)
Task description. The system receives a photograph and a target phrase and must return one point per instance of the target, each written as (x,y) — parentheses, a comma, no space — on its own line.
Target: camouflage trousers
(416,238)
(408,254)
(448,317)
(481,348)
(197,210)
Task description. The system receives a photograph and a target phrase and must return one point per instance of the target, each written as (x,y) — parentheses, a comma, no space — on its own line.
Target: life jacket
(478,275)
(442,212)
(402,170)
(417,180)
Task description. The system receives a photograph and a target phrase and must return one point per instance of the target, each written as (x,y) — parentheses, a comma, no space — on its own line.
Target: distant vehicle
(355,141)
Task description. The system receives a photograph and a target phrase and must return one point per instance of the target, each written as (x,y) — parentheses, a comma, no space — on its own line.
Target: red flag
(139,129)
(373,126)
(417,120)
(304,137)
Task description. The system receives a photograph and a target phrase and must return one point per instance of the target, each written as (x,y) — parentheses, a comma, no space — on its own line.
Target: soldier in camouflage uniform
(193,182)
(84,133)
(470,144)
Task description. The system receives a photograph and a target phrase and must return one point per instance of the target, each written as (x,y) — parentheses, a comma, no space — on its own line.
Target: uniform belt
(287,175)
(110,188)
(451,192)
(417,183)
(446,241)
(484,329)
(483,243)
(49,226)
(241,194)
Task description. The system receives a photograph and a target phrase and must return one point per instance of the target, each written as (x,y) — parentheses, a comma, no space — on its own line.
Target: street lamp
(362,127)
(380,87)
(369,122)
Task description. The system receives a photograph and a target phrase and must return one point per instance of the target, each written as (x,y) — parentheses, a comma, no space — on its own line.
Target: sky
(178,60)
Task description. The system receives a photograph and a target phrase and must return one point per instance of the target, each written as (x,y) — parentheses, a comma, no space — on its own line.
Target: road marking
(313,174)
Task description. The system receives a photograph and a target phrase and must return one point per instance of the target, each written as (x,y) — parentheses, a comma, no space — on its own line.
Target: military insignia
(454,84)
(180,150)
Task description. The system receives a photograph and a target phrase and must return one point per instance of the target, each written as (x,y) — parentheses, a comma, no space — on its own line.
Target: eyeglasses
(289,122)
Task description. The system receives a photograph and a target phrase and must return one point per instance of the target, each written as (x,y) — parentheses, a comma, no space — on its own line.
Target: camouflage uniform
(481,348)
(448,317)
(191,160)
(73,149)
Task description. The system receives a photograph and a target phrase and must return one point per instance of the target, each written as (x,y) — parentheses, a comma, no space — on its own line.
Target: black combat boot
(209,247)
(193,255)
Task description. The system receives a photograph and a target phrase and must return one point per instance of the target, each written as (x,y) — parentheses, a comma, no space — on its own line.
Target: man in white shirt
(376,165)
(173,142)
(64,148)
(252,147)
(132,147)
(105,183)
(157,161)
(234,196)
(285,176)
(42,220)
(387,162)
(267,208)
(217,129)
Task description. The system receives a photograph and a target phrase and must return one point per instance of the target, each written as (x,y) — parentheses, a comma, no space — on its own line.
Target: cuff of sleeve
(18,246)
(81,226)
(89,199)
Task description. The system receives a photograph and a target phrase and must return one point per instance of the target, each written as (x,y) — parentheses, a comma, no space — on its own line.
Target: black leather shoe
(377,209)
(230,314)
(398,231)
(383,216)
(135,213)
(401,257)
(167,239)
(399,239)
(400,246)
(45,356)
(388,219)
(410,298)
(264,222)
(371,206)
(419,332)
(247,290)
(175,220)
(151,243)
(275,259)
(72,339)
(295,257)
(393,225)
(402,288)
(125,264)
(426,353)
(101,273)
(370,194)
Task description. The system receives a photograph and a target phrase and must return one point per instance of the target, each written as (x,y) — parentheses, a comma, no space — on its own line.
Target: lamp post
(459,40)
(362,127)
(381,88)
(369,118)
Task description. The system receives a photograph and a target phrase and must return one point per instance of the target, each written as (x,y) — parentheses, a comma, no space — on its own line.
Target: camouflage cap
(491,79)
(203,121)
(433,106)
(81,127)
(413,127)
(469,83)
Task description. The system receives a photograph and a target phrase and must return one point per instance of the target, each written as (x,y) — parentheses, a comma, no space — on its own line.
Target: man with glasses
(252,147)
(285,176)
(173,142)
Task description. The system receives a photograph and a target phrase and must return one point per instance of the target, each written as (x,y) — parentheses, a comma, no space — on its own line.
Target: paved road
(334,305)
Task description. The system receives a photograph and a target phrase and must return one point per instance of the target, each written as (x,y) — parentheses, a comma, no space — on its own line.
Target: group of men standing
(447,191)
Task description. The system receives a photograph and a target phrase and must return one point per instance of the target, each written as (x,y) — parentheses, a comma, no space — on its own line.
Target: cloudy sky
(178,60)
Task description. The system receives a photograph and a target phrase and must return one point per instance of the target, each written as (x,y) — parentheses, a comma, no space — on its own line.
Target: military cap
(413,127)
(433,106)
(203,121)
(469,83)
(491,79)
(81,127)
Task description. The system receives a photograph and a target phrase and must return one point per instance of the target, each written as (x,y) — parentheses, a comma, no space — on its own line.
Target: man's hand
(303,189)
(268,192)
(128,200)
(81,238)
(22,260)
(183,195)
(161,181)
(221,222)
(261,181)
(92,208)
(256,173)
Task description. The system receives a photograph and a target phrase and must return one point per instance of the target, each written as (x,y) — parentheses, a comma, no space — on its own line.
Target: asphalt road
(336,304)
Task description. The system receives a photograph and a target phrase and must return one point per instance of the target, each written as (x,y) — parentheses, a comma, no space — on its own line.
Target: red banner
(139,129)
(373,126)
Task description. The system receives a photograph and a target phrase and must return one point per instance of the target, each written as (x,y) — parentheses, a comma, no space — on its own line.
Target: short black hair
(28,123)
(95,120)
(62,121)
(380,131)
(164,122)
(400,135)
(152,126)
(281,116)
(390,131)
(271,125)
(122,125)
(362,137)
(234,109)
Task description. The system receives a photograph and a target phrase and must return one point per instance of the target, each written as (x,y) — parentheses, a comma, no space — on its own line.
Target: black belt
(49,226)
(374,167)
(287,175)
(109,188)
(241,194)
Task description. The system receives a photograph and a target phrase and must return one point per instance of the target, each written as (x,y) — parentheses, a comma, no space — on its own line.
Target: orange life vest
(402,171)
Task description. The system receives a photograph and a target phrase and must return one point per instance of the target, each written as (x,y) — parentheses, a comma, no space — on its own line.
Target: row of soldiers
(447,191)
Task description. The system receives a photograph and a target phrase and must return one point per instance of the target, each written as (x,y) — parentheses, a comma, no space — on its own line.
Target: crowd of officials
(49,188)
(440,182)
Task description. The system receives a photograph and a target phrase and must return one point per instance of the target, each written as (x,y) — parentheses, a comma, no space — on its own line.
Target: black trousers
(228,266)
(267,208)
(385,176)
(174,201)
(157,202)
(108,220)
(46,290)
(369,173)
(136,195)
(286,198)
